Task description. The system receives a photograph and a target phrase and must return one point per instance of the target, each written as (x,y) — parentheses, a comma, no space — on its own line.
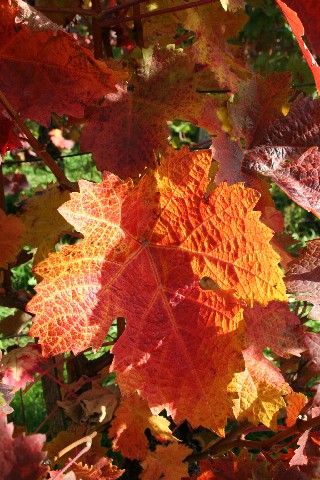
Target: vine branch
(38,148)
(226,444)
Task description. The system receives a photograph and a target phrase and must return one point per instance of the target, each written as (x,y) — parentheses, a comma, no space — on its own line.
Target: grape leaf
(145,250)
(287,146)
(132,418)
(166,462)
(307,454)
(298,30)
(232,5)
(246,467)
(213,26)
(276,327)
(308,13)
(44,69)
(8,139)
(20,456)
(102,470)
(260,389)
(11,235)
(6,394)
(66,438)
(295,403)
(44,224)
(312,341)
(165,89)
(258,104)
(304,276)
(21,364)
(161,29)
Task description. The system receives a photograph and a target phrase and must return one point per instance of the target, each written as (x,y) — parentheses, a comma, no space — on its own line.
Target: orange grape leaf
(66,438)
(20,456)
(295,403)
(43,67)
(12,231)
(165,89)
(166,462)
(145,249)
(260,389)
(298,30)
(21,364)
(161,29)
(132,418)
(102,470)
(213,26)
(44,224)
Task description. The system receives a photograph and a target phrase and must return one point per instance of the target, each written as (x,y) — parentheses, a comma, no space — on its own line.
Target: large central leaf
(145,249)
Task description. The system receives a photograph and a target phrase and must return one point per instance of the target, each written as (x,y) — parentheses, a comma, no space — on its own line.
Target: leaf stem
(82,452)
(38,148)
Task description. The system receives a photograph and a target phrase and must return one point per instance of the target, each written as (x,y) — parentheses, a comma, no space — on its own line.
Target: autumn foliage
(179,252)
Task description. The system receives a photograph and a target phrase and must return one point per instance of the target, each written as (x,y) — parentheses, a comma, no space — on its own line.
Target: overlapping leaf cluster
(186,246)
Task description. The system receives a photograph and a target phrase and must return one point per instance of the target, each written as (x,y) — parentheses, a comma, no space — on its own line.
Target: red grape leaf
(260,389)
(132,418)
(21,364)
(8,139)
(6,395)
(312,341)
(303,278)
(229,154)
(145,249)
(258,104)
(21,456)
(297,175)
(309,14)
(44,69)
(166,462)
(11,238)
(276,327)
(295,403)
(287,146)
(246,467)
(213,27)
(308,453)
(165,89)
(298,30)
